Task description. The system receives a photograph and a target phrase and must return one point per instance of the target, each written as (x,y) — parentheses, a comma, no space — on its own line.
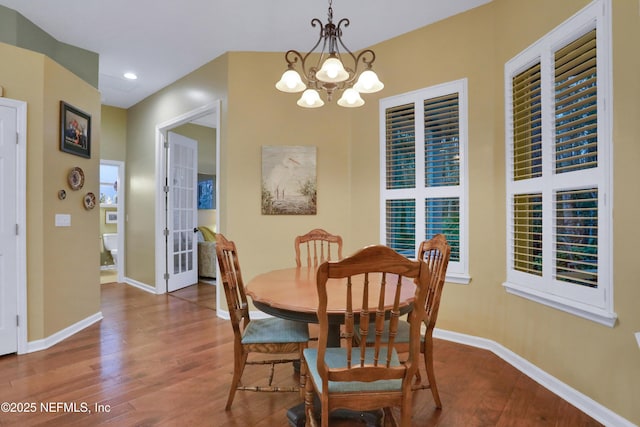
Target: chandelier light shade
(337,69)
(310,99)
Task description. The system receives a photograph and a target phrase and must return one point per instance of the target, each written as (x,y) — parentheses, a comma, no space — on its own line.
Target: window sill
(461,279)
(578,309)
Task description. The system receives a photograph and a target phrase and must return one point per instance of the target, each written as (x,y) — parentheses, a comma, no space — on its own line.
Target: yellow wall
(203,86)
(598,361)
(62,263)
(71,255)
(113,129)
(206,138)
(114,133)
(260,115)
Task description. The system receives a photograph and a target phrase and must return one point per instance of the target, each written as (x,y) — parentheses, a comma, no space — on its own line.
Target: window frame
(593,304)
(458,271)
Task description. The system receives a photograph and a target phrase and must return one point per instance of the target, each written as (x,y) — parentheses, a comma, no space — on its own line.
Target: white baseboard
(140,285)
(54,339)
(571,395)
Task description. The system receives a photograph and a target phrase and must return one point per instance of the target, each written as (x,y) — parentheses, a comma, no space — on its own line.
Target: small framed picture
(206,191)
(111,217)
(75,131)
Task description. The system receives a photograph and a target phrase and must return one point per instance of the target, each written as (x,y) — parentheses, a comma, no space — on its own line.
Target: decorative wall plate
(76,178)
(89,201)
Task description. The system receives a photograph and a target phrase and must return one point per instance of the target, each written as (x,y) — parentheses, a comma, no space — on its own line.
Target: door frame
(121,214)
(21,220)
(161,172)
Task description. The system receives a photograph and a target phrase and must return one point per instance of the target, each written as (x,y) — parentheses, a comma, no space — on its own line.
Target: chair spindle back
(380,273)
(233,284)
(318,245)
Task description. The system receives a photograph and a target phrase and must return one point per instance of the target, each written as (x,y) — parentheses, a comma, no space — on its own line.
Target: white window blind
(559,167)
(400,147)
(576,106)
(423,188)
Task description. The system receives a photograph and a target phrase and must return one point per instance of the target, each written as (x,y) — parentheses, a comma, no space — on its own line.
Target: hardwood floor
(166,361)
(202,293)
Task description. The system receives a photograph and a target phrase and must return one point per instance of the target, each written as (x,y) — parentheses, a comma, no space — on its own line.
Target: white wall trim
(571,395)
(224,314)
(65,333)
(142,286)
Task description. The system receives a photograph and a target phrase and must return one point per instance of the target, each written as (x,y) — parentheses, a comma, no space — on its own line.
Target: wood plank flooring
(160,360)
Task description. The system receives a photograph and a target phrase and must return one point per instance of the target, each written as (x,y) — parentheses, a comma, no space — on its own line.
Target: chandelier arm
(367,57)
(308,74)
(292,57)
(338,35)
(346,51)
(321,37)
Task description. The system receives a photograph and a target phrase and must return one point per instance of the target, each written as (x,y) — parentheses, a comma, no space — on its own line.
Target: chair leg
(389,418)
(238,368)
(303,374)
(405,412)
(431,376)
(308,404)
(324,412)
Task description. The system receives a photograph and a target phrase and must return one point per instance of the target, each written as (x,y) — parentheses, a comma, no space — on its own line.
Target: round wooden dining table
(291,293)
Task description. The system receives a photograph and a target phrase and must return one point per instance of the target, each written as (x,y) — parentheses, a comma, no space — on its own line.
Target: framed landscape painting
(288,180)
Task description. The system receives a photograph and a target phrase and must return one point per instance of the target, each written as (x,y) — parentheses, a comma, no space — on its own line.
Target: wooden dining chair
(267,336)
(365,378)
(317,244)
(435,253)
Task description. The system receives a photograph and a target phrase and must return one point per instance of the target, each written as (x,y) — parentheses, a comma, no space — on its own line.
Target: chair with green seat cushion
(267,336)
(364,378)
(436,253)
(336,357)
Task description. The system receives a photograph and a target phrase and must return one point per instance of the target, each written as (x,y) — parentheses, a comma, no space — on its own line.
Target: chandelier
(330,73)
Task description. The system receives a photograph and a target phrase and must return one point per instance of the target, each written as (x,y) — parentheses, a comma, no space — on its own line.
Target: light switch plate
(638,338)
(63,220)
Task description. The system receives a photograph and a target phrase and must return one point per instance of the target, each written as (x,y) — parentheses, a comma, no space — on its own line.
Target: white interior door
(8,234)
(182,215)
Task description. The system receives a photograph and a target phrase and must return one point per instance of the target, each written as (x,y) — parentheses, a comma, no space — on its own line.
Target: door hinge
(166,188)
(17,320)
(17,138)
(17,229)
(166,144)
(166,232)
(166,276)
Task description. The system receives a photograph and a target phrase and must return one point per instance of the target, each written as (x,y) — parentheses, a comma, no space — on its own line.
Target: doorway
(112,224)
(207,115)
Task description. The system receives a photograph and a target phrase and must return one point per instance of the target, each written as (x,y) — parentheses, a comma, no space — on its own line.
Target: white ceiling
(162,41)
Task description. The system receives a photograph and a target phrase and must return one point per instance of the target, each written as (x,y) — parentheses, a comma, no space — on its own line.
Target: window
(423,178)
(558,147)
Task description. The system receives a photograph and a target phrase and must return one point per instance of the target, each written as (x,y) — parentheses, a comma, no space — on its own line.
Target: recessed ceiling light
(130,76)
